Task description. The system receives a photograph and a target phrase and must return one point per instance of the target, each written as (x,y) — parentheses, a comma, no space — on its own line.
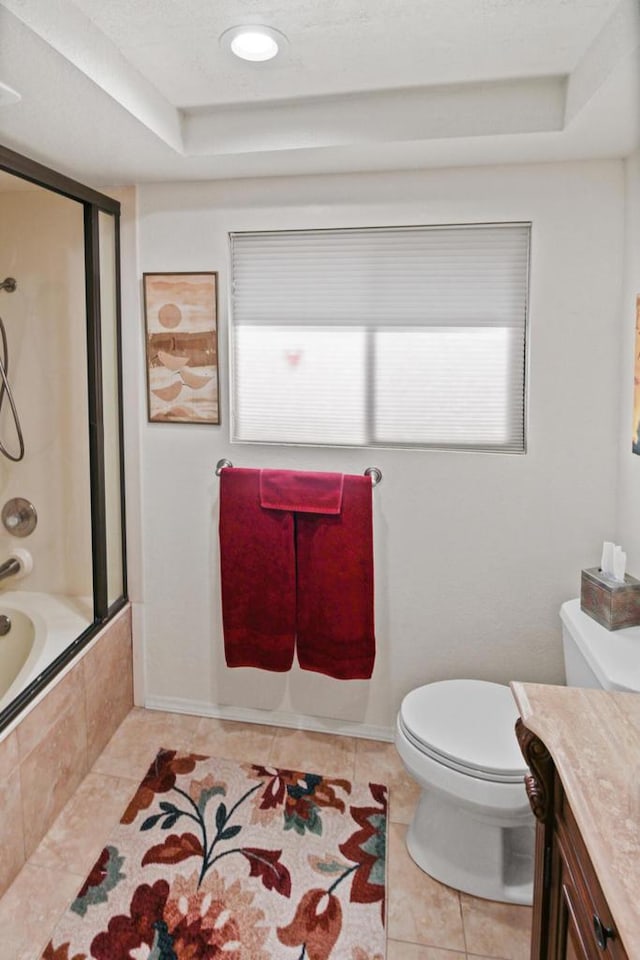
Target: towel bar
(374,472)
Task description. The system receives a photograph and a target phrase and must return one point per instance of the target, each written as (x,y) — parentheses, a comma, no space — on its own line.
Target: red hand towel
(301,492)
(257,568)
(335,616)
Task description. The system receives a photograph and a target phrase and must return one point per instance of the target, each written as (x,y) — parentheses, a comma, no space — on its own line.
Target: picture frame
(181,327)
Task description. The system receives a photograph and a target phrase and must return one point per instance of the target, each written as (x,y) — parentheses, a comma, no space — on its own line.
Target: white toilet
(473,828)
(597,657)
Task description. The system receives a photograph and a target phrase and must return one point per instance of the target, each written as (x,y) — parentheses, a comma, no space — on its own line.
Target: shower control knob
(19,517)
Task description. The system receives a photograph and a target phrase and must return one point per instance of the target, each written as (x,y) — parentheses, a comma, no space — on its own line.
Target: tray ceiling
(135,90)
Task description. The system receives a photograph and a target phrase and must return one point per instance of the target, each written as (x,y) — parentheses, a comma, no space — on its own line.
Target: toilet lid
(467,725)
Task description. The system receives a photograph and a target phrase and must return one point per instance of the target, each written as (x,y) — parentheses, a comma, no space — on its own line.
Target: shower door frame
(93,204)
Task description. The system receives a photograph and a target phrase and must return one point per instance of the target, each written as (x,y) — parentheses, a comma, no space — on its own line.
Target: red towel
(257,569)
(303,573)
(301,492)
(334,567)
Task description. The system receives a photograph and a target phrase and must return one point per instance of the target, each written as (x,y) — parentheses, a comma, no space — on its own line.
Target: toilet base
(472,854)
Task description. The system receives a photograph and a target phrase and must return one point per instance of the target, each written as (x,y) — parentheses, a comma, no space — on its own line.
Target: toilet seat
(467,726)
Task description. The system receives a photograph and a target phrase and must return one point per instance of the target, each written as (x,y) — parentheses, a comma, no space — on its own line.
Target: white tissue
(613,562)
(619,564)
(606,563)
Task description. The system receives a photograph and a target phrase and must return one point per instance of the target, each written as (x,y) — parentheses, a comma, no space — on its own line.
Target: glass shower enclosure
(62,539)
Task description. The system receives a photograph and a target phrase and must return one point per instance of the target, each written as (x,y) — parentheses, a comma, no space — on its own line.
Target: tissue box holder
(613,604)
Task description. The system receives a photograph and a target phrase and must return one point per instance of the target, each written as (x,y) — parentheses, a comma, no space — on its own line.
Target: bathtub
(42,626)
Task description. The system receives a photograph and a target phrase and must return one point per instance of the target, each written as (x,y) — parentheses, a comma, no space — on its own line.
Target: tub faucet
(9,568)
(18,564)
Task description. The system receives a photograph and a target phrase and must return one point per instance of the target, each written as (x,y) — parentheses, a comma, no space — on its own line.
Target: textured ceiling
(133,90)
(341,46)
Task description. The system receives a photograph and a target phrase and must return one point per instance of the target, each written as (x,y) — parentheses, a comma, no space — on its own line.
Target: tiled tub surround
(49,751)
(426,920)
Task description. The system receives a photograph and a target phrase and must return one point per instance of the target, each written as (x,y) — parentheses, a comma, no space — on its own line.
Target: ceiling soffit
(481,108)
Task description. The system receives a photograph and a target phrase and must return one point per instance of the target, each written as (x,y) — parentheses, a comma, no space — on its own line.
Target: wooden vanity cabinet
(571,917)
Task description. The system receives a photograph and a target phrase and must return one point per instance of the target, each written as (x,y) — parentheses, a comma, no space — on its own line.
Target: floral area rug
(232,861)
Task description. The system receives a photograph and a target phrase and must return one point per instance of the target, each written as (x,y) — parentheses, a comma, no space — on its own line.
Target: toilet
(597,657)
(473,828)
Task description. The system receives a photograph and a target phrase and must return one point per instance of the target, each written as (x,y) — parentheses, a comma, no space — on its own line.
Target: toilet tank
(597,657)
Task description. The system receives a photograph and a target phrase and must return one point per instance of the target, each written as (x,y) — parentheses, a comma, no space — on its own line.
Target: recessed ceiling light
(255,43)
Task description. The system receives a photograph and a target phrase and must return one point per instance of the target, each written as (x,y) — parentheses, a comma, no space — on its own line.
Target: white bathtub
(42,626)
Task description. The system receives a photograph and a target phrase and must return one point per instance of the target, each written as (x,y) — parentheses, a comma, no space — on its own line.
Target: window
(402,336)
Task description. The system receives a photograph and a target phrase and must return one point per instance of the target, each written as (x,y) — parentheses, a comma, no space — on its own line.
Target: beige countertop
(594,739)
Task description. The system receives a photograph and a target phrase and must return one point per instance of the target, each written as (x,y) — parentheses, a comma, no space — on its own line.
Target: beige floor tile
(400,950)
(43,889)
(13,950)
(322,753)
(31,908)
(76,838)
(135,743)
(421,910)
(376,761)
(232,740)
(492,929)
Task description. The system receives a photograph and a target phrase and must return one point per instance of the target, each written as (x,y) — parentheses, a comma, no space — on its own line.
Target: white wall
(134,406)
(42,246)
(474,552)
(628,527)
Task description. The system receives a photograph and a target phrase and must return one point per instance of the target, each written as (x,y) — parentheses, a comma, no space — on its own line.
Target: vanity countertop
(594,739)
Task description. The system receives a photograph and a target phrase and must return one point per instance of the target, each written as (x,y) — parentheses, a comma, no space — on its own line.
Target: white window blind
(408,336)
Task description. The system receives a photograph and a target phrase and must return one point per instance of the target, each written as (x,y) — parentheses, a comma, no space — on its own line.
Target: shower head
(9,284)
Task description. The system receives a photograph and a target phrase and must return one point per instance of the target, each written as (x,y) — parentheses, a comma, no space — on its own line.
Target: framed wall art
(181,322)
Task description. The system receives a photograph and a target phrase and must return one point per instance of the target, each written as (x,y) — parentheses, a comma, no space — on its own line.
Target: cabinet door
(589,921)
(567,939)
(573,942)
(574,949)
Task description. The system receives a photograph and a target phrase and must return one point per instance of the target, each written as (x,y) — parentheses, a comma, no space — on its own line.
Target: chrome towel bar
(374,472)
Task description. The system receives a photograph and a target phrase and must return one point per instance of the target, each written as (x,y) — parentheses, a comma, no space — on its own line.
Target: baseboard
(274,718)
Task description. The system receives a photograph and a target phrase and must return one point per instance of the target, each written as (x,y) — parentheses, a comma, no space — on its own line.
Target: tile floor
(427,921)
